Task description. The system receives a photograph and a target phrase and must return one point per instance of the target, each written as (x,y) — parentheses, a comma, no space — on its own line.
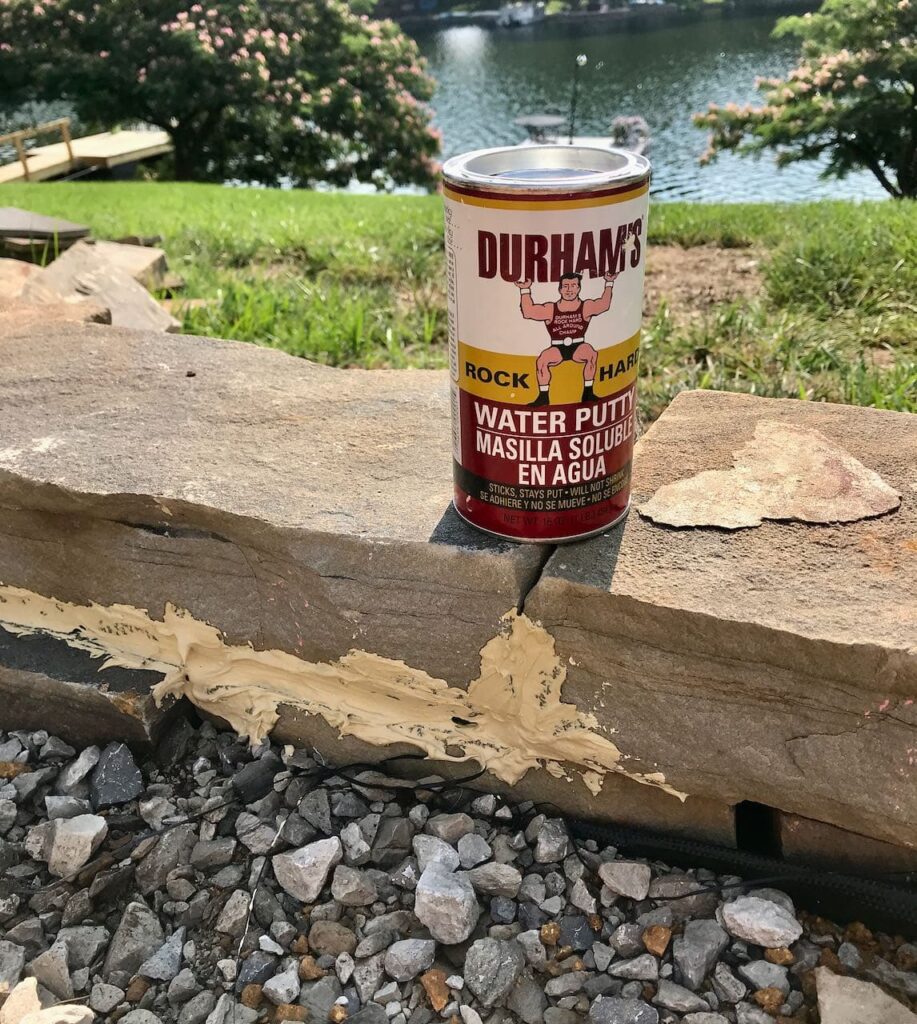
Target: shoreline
(640,17)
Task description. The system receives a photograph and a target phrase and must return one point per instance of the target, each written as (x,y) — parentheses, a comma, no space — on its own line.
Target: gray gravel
(233,881)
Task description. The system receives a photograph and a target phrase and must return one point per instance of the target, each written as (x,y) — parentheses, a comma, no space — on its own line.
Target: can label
(545,296)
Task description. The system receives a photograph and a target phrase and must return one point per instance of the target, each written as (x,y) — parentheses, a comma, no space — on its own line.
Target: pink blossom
(104,54)
(860,81)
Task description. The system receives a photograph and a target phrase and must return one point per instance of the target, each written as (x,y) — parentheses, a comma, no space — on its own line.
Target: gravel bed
(215,884)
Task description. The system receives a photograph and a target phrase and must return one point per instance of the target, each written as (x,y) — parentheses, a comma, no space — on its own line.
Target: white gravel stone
(445,903)
(429,850)
(496,879)
(283,988)
(761,922)
(473,850)
(407,958)
(67,843)
(104,998)
(303,872)
(234,913)
(626,878)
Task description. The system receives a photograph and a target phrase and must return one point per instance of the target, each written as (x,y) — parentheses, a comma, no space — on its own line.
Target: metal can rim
(471,169)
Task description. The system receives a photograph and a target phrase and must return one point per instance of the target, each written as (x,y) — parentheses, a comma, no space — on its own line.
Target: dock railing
(17,138)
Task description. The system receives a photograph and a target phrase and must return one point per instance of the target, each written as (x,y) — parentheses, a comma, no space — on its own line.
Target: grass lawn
(358,281)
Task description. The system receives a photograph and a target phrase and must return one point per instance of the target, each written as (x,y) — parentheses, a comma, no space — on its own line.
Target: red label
(548,472)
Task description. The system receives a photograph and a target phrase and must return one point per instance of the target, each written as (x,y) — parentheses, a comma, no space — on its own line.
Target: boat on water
(625,132)
(520,13)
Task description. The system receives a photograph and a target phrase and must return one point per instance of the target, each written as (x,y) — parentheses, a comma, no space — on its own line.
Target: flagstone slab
(776,664)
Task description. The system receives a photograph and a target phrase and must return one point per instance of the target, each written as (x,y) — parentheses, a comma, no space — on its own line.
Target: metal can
(545,250)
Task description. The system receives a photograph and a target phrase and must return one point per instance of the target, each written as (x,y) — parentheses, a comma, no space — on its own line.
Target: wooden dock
(106,150)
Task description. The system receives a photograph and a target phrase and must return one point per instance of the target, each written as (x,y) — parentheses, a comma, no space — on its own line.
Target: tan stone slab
(828,847)
(144,263)
(850,1001)
(775,664)
(13,276)
(293,506)
(83,271)
(18,317)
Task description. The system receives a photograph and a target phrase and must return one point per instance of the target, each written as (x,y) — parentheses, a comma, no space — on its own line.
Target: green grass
(358,281)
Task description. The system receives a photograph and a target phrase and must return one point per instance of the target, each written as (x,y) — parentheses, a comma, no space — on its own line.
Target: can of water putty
(545,249)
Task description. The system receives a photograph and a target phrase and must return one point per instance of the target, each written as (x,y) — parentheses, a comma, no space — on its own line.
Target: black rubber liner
(887,903)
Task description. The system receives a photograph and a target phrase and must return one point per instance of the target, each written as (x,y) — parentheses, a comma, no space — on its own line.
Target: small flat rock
(18,223)
(21,1001)
(615,1010)
(527,999)
(234,913)
(165,963)
(785,472)
(52,970)
(450,827)
(13,276)
(491,969)
(171,849)
(428,849)
(641,968)
(627,878)
(73,1014)
(704,1018)
(446,904)
(352,888)
(849,1001)
(104,998)
(303,872)
(255,780)
(761,974)
(65,806)
(197,1008)
(697,950)
(760,922)
(728,988)
(84,943)
(74,773)
(496,879)
(283,988)
(115,779)
(553,842)
(228,1011)
(329,938)
(677,998)
(138,936)
(81,272)
(408,958)
(73,841)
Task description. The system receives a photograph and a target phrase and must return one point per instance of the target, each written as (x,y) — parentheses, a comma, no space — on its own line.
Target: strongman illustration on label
(567,321)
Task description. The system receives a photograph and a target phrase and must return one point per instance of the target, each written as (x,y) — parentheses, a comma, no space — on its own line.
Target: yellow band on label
(504,377)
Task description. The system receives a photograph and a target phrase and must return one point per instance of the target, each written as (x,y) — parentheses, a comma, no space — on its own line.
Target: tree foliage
(852,99)
(259,90)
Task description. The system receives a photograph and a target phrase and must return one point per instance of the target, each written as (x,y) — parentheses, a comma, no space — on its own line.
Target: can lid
(550,168)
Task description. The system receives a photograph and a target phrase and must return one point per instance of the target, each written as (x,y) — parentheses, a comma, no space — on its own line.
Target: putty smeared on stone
(510,719)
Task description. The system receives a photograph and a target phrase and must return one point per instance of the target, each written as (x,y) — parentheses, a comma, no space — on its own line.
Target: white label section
(491,251)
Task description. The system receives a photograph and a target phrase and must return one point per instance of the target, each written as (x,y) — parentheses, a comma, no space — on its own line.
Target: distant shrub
(853,97)
(260,90)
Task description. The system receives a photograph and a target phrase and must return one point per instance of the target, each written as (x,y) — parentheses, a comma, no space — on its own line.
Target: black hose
(877,902)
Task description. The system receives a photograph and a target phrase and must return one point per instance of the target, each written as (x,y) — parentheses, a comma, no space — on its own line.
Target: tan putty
(516,718)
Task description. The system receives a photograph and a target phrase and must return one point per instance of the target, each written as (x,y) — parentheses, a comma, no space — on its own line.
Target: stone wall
(273,541)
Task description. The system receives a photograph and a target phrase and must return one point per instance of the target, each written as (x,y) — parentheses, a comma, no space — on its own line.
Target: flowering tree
(853,97)
(261,90)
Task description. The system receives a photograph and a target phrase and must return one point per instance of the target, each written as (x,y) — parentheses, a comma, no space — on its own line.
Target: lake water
(488,77)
